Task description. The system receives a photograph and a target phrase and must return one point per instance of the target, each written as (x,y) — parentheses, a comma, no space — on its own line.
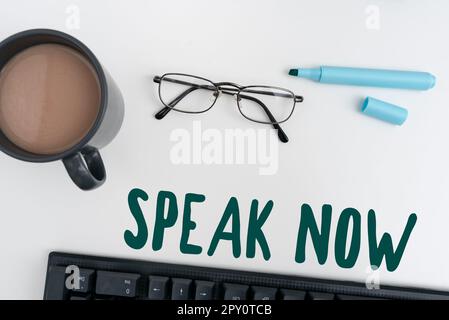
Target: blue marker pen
(368,77)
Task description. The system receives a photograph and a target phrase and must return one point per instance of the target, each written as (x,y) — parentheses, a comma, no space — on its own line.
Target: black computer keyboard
(110,279)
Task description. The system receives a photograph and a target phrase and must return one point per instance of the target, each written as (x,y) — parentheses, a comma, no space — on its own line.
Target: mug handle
(86,168)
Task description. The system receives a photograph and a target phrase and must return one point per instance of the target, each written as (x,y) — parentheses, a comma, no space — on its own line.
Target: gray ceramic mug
(82,161)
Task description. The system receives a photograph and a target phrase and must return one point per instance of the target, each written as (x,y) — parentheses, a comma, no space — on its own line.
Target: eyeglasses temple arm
(281,134)
(165,110)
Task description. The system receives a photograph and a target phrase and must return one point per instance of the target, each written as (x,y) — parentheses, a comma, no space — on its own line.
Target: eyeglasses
(191,94)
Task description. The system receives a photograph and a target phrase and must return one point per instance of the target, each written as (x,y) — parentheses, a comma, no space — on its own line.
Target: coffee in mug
(49,98)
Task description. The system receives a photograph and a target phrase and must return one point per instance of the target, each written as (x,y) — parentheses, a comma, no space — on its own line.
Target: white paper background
(335,155)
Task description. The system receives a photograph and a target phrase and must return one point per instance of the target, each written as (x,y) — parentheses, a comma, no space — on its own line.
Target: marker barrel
(377,78)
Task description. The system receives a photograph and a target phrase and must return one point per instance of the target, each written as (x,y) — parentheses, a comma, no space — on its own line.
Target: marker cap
(384,111)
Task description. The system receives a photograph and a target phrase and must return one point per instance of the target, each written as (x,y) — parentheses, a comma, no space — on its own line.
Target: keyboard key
(264,293)
(348,297)
(117,283)
(180,289)
(321,296)
(293,294)
(235,291)
(86,280)
(204,290)
(158,288)
(103,298)
(55,283)
(78,298)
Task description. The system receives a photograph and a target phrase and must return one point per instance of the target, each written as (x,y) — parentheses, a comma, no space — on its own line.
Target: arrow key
(204,290)
(158,288)
(181,289)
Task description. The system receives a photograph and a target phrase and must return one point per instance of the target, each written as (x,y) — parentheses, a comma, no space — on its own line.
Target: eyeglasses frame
(219,88)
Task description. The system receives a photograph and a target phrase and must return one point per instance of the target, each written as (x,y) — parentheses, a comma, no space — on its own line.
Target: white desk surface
(335,155)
